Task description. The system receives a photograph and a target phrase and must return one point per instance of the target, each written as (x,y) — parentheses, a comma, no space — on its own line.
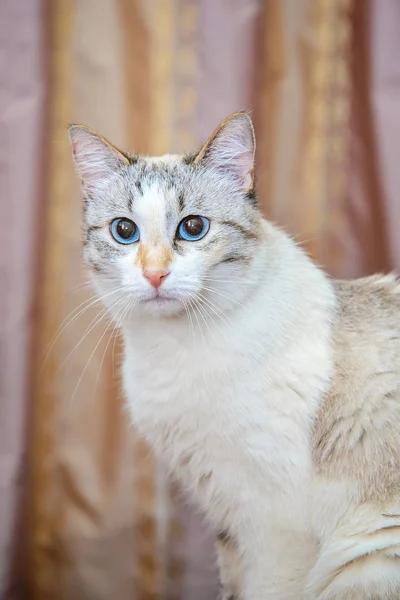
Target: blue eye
(193,228)
(124,231)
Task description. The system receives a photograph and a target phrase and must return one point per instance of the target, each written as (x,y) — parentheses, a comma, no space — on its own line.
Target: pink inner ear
(95,159)
(232,150)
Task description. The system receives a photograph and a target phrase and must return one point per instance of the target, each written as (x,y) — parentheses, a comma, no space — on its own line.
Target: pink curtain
(22,93)
(322,79)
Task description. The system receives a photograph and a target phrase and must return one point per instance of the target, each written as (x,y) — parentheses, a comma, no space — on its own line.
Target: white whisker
(202,312)
(215,309)
(118,322)
(91,356)
(212,290)
(71,317)
(92,325)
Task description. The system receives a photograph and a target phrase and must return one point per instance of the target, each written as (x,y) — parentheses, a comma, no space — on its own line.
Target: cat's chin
(162,306)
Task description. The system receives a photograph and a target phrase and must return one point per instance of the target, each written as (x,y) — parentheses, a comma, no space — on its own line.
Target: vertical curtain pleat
(47,501)
(22,100)
(302,116)
(156,76)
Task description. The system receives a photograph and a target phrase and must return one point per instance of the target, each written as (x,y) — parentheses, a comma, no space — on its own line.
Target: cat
(270,391)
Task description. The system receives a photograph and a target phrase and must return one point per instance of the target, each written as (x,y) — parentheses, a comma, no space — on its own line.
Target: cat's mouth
(159,299)
(162,303)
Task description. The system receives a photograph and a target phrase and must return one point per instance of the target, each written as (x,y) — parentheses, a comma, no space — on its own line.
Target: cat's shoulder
(356,433)
(359,300)
(367,324)
(366,332)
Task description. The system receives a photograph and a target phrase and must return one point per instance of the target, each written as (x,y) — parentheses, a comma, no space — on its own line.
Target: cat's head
(169,233)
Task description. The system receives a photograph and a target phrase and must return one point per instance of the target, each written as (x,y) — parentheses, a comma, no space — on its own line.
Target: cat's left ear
(231,149)
(95,157)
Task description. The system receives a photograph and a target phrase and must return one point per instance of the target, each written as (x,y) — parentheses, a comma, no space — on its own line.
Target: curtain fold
(22,100)
(155,76)
(303,97)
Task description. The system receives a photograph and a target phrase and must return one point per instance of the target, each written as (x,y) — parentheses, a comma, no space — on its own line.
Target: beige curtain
(102,520)
(22,94)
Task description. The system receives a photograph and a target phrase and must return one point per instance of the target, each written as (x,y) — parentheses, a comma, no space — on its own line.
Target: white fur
(229,411)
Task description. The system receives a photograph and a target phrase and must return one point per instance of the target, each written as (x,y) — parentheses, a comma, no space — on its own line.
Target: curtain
(22,96)
(86,511)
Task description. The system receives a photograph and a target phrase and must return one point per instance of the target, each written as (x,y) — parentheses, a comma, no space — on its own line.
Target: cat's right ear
(95,157)
(231,149)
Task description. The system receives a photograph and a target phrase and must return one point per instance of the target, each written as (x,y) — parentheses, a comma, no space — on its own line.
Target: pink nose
(156,276)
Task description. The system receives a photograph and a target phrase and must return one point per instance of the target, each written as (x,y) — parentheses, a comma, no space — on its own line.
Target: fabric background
(85,509)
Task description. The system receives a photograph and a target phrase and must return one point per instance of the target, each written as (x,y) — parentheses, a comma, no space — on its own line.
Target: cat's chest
(168,383)
(208,408)
(188,398)
(216,419)
(189,409)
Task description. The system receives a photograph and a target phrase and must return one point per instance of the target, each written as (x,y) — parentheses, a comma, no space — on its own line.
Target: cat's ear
(95,157)
(231,148)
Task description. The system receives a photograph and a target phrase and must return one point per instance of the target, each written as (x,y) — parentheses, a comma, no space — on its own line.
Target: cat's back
(357,432)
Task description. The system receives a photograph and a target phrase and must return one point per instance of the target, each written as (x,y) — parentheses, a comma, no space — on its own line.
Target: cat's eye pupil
(194,226)
(126,229)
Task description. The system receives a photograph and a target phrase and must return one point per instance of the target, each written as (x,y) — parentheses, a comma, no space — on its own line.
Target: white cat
(271,392)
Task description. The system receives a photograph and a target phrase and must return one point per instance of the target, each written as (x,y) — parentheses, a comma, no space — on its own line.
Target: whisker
(192,302)
(91,356)
(93,324)
(121,311)
(130,305)
(219,318)
(223,295)
(234,281)
(202,312)
(70,318)
(88,362)
(189,316)
(207,315)
(216,310)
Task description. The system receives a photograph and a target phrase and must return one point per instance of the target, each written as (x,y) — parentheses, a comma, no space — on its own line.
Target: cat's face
(163,235)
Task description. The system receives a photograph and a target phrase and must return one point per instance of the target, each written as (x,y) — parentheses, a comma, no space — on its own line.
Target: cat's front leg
(230,567)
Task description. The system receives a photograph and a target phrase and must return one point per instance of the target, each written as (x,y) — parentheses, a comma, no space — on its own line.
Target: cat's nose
(155,276)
